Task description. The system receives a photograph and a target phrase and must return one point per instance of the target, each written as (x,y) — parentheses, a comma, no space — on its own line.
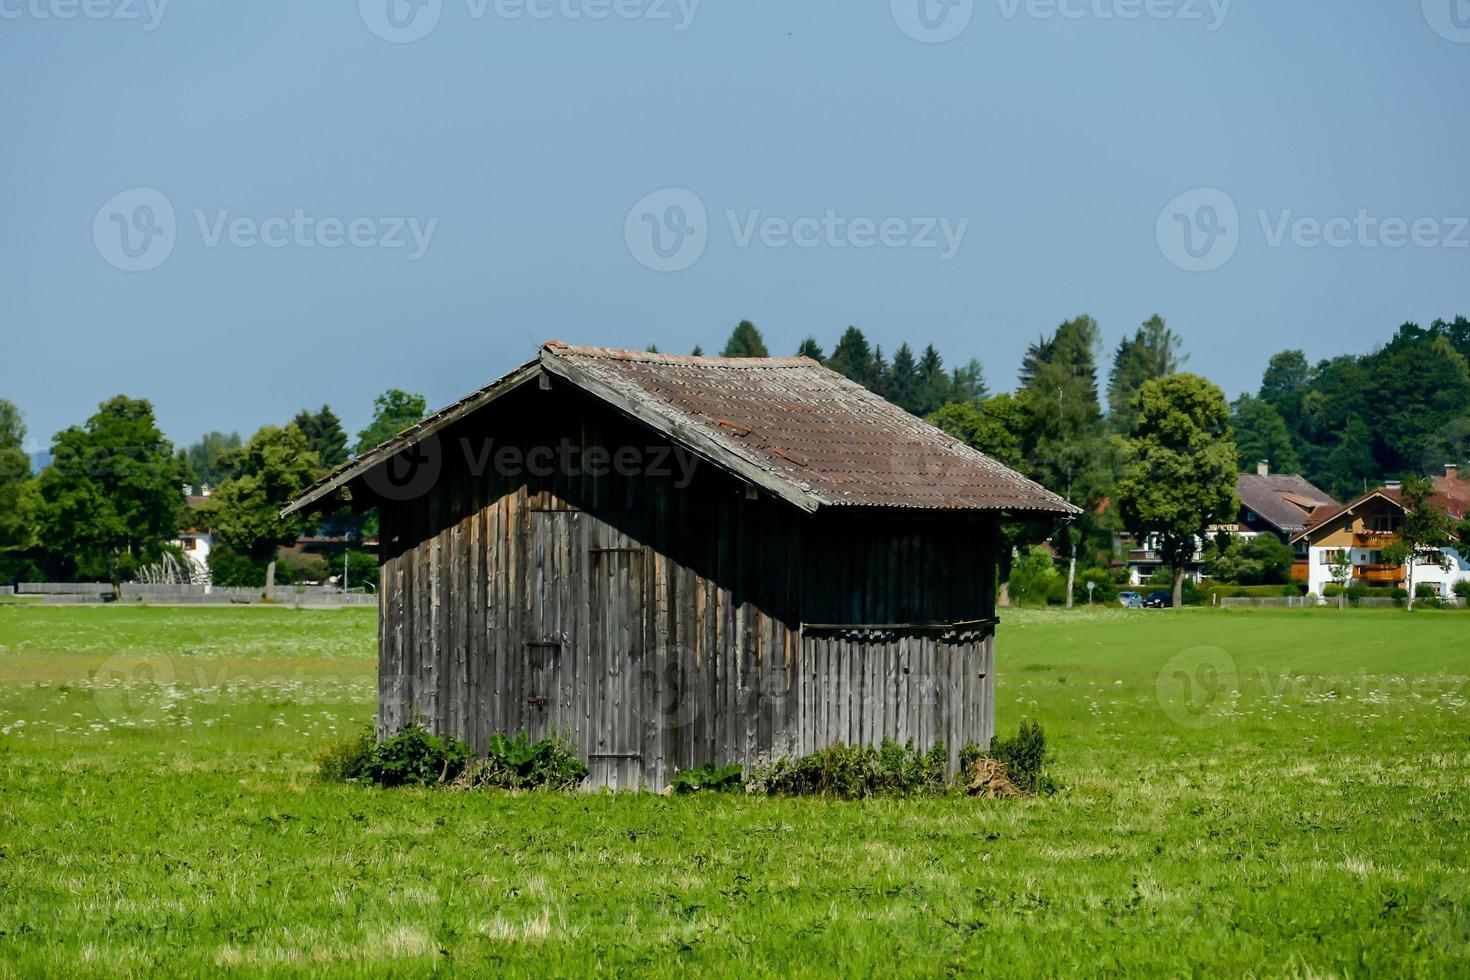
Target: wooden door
(549,654)
(617,577)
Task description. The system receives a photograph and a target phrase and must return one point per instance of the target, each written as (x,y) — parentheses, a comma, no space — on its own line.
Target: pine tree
(1152,352)
(903,381)
(698,351)
(745,341)
(810,348)
(853,358)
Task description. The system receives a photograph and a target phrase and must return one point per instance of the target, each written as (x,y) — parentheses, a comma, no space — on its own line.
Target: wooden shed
(679,560)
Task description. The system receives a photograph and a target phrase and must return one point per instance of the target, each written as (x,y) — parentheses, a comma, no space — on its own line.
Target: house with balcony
(1362,529)
(1268,503)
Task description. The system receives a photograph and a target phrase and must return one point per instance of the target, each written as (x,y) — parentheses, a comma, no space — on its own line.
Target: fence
(7,590)
(1301,602)
(303,595)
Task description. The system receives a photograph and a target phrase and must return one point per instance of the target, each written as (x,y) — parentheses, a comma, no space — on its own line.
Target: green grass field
(1272,793)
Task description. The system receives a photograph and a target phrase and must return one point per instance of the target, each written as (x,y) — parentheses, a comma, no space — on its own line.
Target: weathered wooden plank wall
(660,626)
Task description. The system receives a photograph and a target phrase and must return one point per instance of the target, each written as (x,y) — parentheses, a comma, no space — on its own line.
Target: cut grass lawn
(1268,792)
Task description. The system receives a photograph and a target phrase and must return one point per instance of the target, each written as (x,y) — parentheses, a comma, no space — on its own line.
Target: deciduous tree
(1179,468)
(113,494)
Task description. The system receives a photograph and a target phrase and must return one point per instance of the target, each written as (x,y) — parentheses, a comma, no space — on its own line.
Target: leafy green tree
(17,496)
(1417,384)
(1350,466)
(745,341)
(203,458)
(698,351)
(271,471)
(853,358)
(1152,352)
(1179,469)
(992,426)
(324,435)
(1425,531)
(393,411)
(1260,560)
(112,495)
(1285,385)
(1261,433)
(810,348)
(1033,578)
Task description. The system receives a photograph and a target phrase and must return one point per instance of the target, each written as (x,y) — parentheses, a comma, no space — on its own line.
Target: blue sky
(434,207)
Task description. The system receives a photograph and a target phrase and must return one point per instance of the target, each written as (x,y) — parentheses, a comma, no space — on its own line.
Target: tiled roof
(790,425)
(1286,502)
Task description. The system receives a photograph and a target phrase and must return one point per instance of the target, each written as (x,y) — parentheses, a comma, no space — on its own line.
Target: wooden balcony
(1374,539)
(1380,574)
(1301,570)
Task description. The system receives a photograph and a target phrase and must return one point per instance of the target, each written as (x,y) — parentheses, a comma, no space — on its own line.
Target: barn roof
(788,424)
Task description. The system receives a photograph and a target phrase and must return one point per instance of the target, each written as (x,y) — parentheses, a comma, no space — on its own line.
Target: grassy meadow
(1259,792)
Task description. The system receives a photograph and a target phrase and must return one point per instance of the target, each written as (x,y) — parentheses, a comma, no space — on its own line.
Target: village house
(1363,528)
(681,560)
(1268,503)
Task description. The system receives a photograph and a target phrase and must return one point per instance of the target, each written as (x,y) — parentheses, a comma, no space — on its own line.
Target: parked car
(1159,600)
(1130,600)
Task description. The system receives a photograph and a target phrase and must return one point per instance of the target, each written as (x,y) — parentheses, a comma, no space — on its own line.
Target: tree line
(1141,446)
(111,503)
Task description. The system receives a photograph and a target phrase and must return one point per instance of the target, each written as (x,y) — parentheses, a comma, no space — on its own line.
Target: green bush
(415,756)
(230,569)
(519,763)
(350,760)
(1462,588)
(708,778)
(1025,758)
(1425,590)
(852,772)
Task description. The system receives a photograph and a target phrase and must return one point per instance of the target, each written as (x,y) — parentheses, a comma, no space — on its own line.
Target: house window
(1327,557)
(191,544)
(1250,517)
(1384,522)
